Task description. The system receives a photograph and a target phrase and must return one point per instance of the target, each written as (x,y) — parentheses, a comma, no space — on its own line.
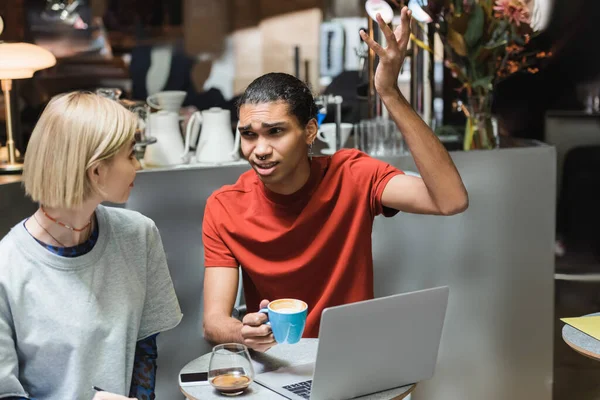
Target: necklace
(52,236)
(46,230)
(65,225)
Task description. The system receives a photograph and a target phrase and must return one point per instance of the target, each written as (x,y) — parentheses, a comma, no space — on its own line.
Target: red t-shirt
(313,245)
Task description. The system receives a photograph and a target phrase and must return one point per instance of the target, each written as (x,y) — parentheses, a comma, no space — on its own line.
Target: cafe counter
(497,258)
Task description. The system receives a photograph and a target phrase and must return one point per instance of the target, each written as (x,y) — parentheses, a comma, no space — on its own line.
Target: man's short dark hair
(277,86)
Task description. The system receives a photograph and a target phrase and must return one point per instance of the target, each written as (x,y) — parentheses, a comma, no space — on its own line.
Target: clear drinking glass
(391,142)
(368,137)
(379,137)
(230,369)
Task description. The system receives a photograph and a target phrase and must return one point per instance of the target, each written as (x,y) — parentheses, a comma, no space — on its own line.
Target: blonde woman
(84,289)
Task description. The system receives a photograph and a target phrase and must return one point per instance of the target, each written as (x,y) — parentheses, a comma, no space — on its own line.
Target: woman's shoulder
(123,217)
(11,249)
(125,223)
(7,244)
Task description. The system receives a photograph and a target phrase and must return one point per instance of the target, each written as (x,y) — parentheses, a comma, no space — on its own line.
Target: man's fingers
(264,303)
(255,319)
(253,341)
(402,33)
(261,331)
(261,344)
(373,45)
(387,31)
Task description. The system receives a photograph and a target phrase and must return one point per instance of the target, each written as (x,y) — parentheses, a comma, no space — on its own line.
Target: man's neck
(295,181)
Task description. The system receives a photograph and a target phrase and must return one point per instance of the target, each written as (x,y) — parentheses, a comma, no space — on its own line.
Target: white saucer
(374,7)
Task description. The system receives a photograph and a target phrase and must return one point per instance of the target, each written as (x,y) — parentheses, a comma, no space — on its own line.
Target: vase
(481,130)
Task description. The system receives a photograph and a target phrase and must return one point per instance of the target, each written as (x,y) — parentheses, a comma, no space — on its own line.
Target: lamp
(18,61)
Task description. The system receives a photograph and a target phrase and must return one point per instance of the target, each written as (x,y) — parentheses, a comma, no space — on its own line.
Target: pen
(97,389)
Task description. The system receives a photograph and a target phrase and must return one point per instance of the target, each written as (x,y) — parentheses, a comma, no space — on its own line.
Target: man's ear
(312,128)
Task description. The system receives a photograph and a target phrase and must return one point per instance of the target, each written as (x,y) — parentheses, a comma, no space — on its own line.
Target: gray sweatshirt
(67,324)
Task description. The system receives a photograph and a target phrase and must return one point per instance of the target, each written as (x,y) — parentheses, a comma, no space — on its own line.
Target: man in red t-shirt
(301,227)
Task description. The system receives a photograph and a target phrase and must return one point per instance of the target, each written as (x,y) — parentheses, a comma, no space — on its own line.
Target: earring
(310,153)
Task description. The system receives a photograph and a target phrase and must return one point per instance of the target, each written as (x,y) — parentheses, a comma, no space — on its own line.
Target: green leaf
(475,28)
(442,28)
(458,7)
(488,8)
(499,38)
(495,45)
(457,42)
(484,83)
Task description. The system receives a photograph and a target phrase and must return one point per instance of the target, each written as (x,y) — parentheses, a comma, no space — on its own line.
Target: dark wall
(13,14)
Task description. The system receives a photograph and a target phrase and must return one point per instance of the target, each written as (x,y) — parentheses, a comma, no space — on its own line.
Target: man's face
(273,141)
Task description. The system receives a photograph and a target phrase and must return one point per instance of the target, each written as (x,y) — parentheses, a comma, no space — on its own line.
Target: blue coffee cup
(287,318)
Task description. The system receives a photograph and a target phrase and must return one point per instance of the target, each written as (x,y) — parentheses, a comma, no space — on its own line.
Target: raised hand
(392,56)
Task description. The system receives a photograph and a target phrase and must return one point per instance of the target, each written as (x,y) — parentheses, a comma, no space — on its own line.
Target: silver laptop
(368,347)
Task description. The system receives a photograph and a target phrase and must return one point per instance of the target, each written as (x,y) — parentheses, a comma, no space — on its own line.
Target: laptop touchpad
(287,375)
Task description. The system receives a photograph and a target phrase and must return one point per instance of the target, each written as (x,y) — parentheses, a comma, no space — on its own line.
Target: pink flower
(514,10)
(467,6)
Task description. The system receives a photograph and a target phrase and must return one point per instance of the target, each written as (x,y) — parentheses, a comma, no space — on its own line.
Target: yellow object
(420,43)
(469,132)
(587,325)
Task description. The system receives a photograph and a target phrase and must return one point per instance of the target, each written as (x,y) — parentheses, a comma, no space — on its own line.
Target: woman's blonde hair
(76,132)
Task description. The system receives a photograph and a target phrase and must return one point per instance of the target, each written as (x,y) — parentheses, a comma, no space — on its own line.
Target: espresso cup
(287,318)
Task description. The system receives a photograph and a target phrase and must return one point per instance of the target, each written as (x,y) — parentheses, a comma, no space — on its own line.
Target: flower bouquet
(485,41)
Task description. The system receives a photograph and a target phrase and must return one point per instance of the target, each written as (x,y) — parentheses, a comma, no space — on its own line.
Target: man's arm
(220,291)
(441,190)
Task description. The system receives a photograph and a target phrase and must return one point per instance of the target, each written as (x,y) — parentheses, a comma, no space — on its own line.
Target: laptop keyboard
(301,389)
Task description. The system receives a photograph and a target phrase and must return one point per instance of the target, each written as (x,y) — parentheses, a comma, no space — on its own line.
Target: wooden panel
(282,33)
(206,24)
(247,49)
(271,8)
(244,14)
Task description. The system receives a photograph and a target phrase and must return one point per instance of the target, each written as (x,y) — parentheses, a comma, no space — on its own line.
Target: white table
(280,355)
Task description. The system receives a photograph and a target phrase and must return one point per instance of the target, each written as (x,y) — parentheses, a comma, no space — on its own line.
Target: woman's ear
(96,175)
(312,128)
